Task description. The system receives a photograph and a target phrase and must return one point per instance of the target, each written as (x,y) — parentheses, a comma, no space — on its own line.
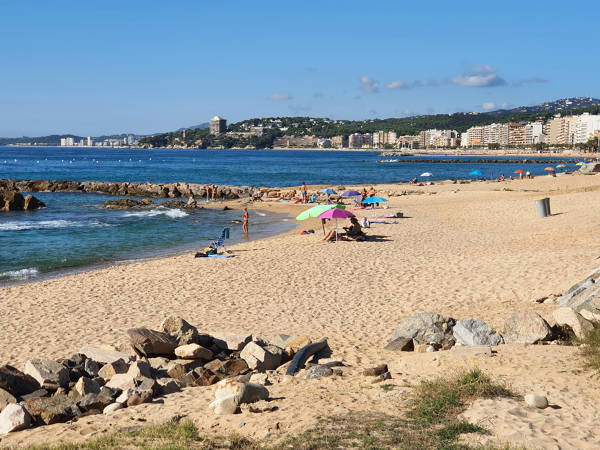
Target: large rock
(104,355)
(474,332)
(16,382)
(579,324)
(151,343)
(140,369)
(49,410)
(11,201)
(260,358)
(49,374)
(193,351)
(229,394)
(111,369)
(526,328)
(181,330)
(400,345)
(97,401)
(426,328)
(234,342)
(179,367)
(12,418)
(228,368)
(6,398)
(32,202)
(85,386)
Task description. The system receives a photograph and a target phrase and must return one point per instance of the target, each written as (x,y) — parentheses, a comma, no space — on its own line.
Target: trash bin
(540,205)
(547,206)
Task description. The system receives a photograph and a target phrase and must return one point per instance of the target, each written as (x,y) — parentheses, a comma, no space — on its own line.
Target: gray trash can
(547,206)
(540,205)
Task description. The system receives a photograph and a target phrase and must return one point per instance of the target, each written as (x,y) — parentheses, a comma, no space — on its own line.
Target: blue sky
(91,68)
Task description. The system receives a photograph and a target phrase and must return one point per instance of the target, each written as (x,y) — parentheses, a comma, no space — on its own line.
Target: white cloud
(368,84)
(399,84)
(280,97)
(487,106)
(479,76)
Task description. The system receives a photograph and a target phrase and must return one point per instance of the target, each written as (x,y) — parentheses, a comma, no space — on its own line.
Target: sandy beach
(461,250)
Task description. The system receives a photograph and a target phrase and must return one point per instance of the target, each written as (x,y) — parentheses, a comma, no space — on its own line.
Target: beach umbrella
(336,214)
(560,166)
(549,169)
(327,191)
(519,171)
(374,200)
(316,211)
(580,164)
(476,172)
(350,194)
(427,174)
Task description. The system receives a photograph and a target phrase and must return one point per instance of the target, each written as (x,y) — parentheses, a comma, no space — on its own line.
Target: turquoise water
(73,232)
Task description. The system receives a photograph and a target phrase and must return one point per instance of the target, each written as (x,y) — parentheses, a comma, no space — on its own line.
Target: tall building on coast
(218,125)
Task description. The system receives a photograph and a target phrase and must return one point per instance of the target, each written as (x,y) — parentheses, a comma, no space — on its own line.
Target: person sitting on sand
(353,232)
(413,181)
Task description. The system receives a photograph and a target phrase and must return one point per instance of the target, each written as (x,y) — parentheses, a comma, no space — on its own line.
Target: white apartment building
(90,141)
(585,127)
(383,138)
(67,142)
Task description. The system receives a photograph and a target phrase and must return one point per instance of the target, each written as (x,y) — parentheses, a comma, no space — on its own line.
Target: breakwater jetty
(482,160)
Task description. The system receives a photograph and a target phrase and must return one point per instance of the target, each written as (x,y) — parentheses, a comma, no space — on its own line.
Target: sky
(105,67)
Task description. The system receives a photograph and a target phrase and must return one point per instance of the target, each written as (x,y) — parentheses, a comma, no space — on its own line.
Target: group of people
(211,192)
(352,233)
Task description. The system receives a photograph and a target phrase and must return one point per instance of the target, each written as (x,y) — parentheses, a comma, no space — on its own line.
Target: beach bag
(364,222)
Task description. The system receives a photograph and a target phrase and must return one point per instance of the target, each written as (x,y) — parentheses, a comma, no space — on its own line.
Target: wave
(19,274)
(172,213)
(48,224)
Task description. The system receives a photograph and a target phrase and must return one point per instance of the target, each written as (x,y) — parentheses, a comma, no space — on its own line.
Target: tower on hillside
(218,125)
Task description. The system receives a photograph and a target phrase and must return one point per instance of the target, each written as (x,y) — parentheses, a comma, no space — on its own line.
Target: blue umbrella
(350,194)
(476,172)
(327,191)
(374,200)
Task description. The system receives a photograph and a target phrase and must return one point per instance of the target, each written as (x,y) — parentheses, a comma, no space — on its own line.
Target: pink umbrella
(336,214)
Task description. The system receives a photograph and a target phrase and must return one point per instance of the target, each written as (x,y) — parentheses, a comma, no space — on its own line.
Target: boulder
(11,201)
(140,397)
(296,344)
(375,371)
(585,300)
(536,401)
(234,342)
(49,410)
(140,369)
(282,340)
(6,398)
(260,358)
(246,392)
(430,328)
(14,417)
(400,345)
(204,377)
(225,405)
(49,374)
(112,408)
(579,324)
(182,331)
(260,378)
(318,371)
(193,351)
(121,381)
(526,328)
(85,386)
(111,369)
(382,377)
(168,386)
(40,393)
(475,332)
(91,367)
(228,368)
(32,202)
(179,367)
(105,356)
(151,343)
(15,382)
(97,401)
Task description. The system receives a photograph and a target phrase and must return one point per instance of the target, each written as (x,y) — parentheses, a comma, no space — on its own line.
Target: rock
(182,331)
(193,351)
(382,377)
(111,369)
(426,328)
(258,407)
(229,368)
(179,367)
(49,410)
(260,378)
(146,384)
(40,393)
(235,342)
(49,374)
(91,367)
(296,344)
(282,340)
(13,417)
(159,363)
(475,332)
(105,356)
(124,396)
(140,397)
(15,382)
(246,392)
(97,401)
(526,328)
(318,371)
(536,401)
(112,408)
(140,369)
(11,201)
(205,377)
(32,202)
(225,405)
(420,348)
(85,386)
(151,343)
(375,371)
(400,345)
(168,386)
(6,398)
(579,324)
(259,358)
(121,381)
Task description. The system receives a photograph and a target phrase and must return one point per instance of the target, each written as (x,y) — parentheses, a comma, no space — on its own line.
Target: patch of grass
(388,387)
(590,347)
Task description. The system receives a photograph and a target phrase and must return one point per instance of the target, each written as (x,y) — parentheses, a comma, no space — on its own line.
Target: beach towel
(221,256)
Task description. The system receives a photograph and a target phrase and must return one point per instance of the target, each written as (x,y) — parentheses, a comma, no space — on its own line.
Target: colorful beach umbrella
(350,194)
(560,166)
(580,164)
(316,211)
(519,171)
(427,174)
(327,191)
(476,172)
(549,169)
(374,199)
(336,214)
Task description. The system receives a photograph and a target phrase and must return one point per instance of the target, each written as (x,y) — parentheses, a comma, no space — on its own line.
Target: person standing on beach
(214,191)
(245,221)
(304,192)
(207,190)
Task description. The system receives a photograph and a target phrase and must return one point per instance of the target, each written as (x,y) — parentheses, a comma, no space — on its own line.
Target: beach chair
(220,242)
(313,198)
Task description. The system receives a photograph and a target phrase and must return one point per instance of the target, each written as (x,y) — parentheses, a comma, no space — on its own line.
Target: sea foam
(21,274)
(47,224)
(172,213)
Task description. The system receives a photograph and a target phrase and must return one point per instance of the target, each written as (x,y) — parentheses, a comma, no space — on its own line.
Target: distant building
(339,142)
(218,125)
(67,142)
(90,141)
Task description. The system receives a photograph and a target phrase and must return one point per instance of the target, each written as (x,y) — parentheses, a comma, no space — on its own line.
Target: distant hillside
(563,104)
(202,126)
(54,139)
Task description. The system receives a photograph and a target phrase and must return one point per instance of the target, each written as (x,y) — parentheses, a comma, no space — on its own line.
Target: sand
(464,250)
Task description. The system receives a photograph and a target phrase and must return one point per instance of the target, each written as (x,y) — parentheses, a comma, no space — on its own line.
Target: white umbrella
(427,174)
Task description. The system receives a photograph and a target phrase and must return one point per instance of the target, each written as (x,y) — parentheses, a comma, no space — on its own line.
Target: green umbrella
(316,211)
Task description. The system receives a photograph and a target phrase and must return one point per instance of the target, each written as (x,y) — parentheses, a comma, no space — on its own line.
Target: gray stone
(91,367)
(526,328)
(260,358)
(182,331)
(86,386)
(475,332)
(113,368)
(427,328)
(382,377)
(375,371)
(260,378)
(112,408)
(536,401)
(105,356)
(234,342)
(193,351)
(574,291)
(258,407)
(97,401)
(49,374)
(179,367)
(318,371)
(246,392)
(151,343)
(282,340)
(15,382)
(168,386)
(13,417)
(140,369)
(39,393)
(139,397)
(6,398)
(579,324)
(400,345)
(49,410)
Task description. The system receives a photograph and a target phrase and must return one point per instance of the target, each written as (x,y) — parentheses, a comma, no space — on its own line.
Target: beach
(461,250)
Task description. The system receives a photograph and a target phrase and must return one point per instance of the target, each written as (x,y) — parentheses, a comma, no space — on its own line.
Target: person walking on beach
(304,193)
(245,221)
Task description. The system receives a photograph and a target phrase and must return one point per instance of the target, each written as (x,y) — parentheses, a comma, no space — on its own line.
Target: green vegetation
(590,347)
(432,423)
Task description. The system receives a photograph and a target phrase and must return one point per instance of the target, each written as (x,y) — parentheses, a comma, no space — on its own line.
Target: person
(214,191)
(528,174)
(245,221)
(372,192)
(354,231)
(207,190)
(413,181)
(304,193)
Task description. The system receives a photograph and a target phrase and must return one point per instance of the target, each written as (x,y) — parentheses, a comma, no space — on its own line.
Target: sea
(74,233)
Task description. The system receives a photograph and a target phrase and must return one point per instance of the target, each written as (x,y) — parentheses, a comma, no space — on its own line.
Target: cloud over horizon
(400,84)
(479,76)
(369,85)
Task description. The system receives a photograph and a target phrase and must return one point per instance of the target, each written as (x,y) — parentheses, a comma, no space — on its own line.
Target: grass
(431,423)
(590,347)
